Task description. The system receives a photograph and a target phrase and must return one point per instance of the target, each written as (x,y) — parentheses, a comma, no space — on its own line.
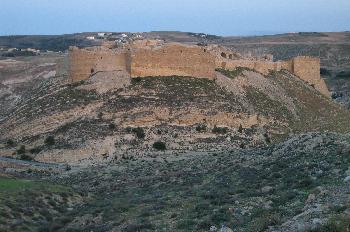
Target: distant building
(138,36)
(12,49)
(90,37)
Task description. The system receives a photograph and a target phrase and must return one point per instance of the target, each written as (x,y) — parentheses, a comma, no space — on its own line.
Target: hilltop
(331,47)
(258,147)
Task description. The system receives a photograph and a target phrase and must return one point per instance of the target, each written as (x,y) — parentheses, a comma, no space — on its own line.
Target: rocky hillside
(18,76)
(244,151)
(105,119)
(301,184)
(339,84)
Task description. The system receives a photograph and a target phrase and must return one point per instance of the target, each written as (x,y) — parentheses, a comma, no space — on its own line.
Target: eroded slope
(96,121)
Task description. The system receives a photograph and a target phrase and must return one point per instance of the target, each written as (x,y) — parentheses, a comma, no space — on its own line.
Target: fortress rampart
(173,59)
(261,66)
(305,67)
(85,62)
(308,69)
(156,58)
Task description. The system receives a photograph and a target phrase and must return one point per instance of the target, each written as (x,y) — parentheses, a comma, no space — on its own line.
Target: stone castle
(142,58)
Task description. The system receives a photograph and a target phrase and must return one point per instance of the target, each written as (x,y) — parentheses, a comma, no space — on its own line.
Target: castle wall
(308,69)
(221,52)
(287,65)
(157,59)
(83,63)
(173,59)
(260,66)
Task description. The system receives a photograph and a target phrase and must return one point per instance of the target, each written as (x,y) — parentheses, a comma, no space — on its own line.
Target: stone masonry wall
(308,69)
(83,63)
(182,60)
(260,66)
(173,59)
(287,65)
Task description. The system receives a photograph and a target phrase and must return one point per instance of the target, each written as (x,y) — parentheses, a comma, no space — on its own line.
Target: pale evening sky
(220,17)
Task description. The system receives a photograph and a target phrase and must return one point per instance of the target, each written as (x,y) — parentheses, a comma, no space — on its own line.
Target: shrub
(140,133)
(21,150)
(265,220)
(305,183)
(35,150)
(267,138)
(68,167)
(137,79)
(240,128)
(219,130)
(144,226)
(201,127)
(233,73)
(160,146)
(26,157)
(184,224)
(10,143)
(325,72)
(50,140)
(8,54)
(111,126)
(335,224)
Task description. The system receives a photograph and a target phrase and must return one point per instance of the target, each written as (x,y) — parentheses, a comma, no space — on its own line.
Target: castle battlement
(143,58)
